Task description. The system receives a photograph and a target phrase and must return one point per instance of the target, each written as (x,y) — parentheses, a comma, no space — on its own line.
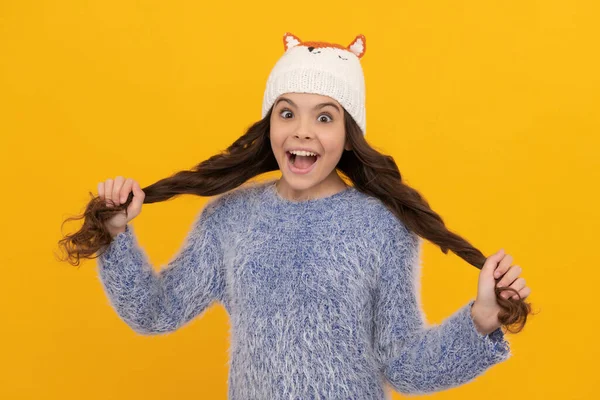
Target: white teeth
(302,153)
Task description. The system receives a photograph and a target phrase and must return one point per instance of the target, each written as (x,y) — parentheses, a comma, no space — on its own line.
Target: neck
(330,186)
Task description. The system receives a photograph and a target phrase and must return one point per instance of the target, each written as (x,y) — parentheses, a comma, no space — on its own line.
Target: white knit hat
(327,69)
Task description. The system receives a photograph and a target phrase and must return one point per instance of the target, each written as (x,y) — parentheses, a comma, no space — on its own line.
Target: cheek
(333,145)
(274,136)
(276,144)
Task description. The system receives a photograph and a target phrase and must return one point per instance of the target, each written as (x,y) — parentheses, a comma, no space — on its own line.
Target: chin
(300,183)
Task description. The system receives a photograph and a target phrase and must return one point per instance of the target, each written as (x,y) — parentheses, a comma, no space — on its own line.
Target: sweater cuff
(494,345)
(119,246)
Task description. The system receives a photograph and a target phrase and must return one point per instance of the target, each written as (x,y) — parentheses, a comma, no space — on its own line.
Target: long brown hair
(370,171)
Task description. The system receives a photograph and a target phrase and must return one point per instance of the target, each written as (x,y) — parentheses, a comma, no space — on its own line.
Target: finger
(510,276)
(117,189)
(108,187)
(503,266)
(526,291)
(518,284)
(101,190)
(124,193)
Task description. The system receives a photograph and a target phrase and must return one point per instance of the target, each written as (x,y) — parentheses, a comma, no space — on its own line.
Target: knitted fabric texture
(322,296)
(328,69)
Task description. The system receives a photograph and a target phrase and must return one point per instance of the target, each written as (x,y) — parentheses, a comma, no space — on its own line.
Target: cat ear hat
(328,69)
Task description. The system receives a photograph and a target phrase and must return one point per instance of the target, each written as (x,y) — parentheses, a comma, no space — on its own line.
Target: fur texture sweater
(322,295)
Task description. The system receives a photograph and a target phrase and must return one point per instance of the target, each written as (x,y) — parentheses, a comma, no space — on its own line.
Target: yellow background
(490,109)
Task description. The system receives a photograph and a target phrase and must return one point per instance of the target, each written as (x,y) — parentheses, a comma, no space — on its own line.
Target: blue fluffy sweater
(322,295)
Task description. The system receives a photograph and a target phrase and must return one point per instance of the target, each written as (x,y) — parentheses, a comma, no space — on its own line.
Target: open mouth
(301,164)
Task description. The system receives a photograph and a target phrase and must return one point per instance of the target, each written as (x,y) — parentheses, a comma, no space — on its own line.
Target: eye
(285,110)
(326,115)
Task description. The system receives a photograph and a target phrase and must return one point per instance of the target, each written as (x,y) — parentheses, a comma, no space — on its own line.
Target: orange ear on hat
(358,45)
(290,40)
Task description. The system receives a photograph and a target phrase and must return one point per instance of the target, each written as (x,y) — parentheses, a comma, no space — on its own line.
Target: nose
(303,129)
(303,135)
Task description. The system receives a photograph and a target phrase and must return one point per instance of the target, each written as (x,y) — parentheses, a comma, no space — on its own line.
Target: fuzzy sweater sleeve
(420,359)
(153,302)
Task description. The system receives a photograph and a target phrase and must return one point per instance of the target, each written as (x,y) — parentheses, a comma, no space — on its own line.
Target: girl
(319,272)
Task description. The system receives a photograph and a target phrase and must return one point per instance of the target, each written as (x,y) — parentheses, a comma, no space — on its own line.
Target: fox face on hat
(328,69)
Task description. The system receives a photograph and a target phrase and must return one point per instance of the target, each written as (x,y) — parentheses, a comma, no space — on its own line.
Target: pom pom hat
(328,69)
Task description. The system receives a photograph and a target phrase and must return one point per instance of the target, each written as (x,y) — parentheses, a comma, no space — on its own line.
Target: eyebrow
(318,106)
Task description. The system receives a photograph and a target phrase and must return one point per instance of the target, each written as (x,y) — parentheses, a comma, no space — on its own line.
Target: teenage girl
(319,270)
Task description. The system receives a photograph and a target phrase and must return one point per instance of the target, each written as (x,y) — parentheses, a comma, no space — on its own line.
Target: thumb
(492,262)
(138,198)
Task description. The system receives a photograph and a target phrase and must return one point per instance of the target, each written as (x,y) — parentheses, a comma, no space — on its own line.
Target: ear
(347,145)
(358,46)
(290,40)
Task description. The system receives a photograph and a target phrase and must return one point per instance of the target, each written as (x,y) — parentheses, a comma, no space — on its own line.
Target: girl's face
(307,121)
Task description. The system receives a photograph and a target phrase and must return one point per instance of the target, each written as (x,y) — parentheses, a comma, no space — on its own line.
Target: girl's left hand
(485,308)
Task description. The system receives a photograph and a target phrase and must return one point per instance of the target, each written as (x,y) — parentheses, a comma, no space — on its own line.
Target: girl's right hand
(117,192)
